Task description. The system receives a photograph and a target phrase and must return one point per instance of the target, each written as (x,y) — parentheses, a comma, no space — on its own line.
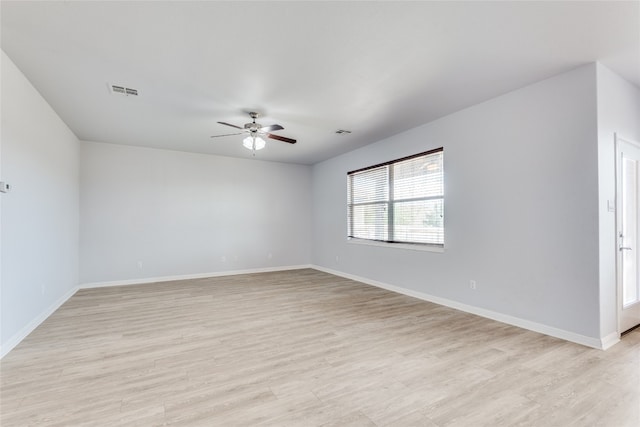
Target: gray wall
(521,207)
(182,213)
(39,238)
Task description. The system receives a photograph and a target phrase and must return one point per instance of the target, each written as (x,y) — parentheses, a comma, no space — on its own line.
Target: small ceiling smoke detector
(343,132)
(121,90)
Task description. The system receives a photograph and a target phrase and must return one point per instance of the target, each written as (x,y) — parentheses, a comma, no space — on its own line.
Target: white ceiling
(374,68)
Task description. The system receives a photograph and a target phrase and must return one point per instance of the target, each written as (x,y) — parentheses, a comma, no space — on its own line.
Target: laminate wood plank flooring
(303,348)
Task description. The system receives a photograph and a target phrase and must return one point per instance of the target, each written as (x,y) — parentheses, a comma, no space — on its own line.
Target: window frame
(390,203)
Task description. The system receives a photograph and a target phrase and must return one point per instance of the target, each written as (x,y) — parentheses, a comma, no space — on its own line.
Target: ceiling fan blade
(227,134)
(281,138)
(271,128)
(229,124)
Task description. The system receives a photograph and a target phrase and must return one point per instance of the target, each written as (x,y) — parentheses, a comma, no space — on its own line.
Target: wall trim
(141,281)
(610,340)
(600,344)
(33,324)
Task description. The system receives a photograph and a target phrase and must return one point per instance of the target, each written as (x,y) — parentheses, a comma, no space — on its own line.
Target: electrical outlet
(139,265)
(223,258)
(472,284)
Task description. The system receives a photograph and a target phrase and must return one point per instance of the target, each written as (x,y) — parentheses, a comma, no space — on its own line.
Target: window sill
(413,247)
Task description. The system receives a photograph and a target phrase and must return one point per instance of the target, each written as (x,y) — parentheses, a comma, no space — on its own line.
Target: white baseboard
(191,276)
(610,340)
(601,344)
(31,326)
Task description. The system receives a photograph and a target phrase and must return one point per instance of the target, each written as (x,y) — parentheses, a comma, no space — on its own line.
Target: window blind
(401,201)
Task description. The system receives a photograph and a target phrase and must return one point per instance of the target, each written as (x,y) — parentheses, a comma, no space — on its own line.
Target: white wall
(521,207)
(618,112)
(183,213)
(39,236)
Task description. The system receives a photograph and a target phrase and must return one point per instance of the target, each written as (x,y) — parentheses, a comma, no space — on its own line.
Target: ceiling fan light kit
(254,143)
(255,130)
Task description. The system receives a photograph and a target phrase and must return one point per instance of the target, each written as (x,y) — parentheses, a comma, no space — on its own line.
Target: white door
(628,224)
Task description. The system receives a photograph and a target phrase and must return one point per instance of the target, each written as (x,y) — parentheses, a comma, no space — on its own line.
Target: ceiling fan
(255,130)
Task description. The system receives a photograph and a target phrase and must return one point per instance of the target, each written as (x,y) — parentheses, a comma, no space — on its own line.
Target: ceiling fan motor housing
(252,126)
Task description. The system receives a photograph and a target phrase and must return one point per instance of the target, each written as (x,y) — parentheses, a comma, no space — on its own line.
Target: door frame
(618,140)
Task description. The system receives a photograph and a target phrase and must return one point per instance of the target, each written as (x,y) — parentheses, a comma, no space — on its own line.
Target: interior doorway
(628,232)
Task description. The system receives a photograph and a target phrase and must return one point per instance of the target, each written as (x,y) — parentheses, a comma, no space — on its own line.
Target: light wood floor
(303,348)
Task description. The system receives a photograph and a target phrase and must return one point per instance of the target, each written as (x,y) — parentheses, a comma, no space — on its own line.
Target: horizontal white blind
(372,185)
(419,221)
(370,221)
(418,177)
(399,201)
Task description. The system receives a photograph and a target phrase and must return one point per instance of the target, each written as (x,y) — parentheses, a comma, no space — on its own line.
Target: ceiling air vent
(126,91)
(343,132)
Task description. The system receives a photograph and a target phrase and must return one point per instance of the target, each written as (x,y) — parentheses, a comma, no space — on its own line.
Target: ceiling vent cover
(121,90)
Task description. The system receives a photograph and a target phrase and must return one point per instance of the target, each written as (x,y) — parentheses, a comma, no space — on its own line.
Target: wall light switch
(611,206)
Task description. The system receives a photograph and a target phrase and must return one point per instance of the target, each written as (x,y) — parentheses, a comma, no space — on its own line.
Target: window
(398,202)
